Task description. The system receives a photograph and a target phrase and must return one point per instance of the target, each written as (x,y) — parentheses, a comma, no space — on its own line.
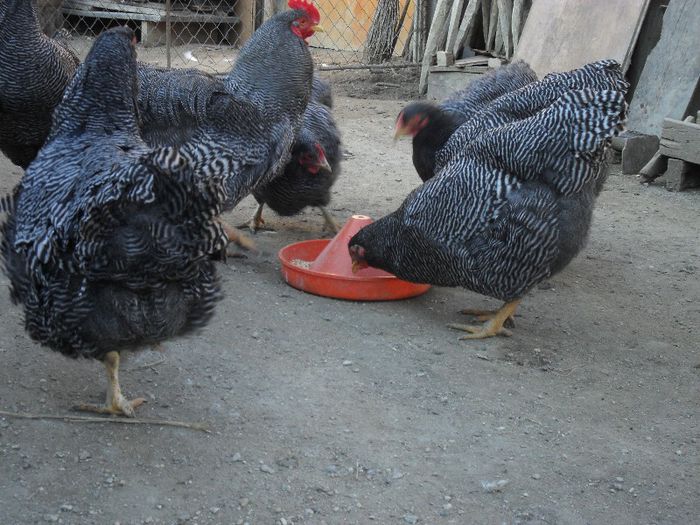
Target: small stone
(447,506)
(283,521)
(308,512)
(214,510)
(66,507)
(618,486)
(397,474)
(679,452)
(84,455)
(536,476)
(149,519)
(620,480)
(255,335)
(347,362)
(244,502)
(51,518)
(410,519)
(494,486)
(109,480)
(236,457)
(331,469)
(266,469)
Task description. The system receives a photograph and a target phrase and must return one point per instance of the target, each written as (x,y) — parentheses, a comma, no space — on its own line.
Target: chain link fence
(206,33)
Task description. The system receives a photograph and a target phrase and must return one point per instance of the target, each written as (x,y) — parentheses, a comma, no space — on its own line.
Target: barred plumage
(108,247)
(300,185)
(512,202)
(432,125)
(244,123)
(34,71)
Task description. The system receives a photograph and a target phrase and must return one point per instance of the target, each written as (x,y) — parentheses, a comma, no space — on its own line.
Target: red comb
(306,6)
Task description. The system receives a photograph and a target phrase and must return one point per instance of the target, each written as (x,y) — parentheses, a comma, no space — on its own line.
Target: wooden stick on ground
(122,420)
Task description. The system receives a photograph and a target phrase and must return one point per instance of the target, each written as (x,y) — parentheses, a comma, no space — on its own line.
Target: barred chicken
(432,125)
(34,72)
(313,169)
(108,245)
(512,200)
(251,117)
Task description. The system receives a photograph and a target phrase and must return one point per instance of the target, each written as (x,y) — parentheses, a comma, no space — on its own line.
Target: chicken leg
(492,327)
(331,224)
(257,221)
(116,403)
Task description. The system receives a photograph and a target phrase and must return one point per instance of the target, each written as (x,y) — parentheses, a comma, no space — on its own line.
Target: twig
(147,365)
(126,421)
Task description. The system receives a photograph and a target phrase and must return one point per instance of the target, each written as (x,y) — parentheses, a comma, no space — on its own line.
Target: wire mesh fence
(206,33)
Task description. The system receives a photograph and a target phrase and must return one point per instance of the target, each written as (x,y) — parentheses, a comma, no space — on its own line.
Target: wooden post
(516,22)
(493,25)
(436,36)
(505,8)
(453,28)
(466,28)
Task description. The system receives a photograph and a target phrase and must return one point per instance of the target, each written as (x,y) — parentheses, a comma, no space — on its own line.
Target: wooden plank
(466,28)
(175,16)
(517,21)
(680,140)
(505,8)
(560,35)
(472,61)
(681,176)
(154,9)
(436,38)
(493,26)
(453,28)
(670,75)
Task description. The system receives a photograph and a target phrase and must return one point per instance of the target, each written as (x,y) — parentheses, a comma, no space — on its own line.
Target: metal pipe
(168,36)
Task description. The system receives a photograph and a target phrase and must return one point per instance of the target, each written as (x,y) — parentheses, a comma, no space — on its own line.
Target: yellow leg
(492,327)
(256,222)
(331,224)
(115,404)
(237,237)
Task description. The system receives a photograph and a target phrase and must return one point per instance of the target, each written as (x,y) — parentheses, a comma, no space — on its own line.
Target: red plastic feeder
(324,267)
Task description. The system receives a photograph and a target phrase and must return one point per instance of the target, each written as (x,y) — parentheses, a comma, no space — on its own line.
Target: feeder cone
(335,258)
(324,268)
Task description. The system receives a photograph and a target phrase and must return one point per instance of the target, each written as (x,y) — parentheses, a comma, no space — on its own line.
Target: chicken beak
(324,166)
(400,131)
(318,28)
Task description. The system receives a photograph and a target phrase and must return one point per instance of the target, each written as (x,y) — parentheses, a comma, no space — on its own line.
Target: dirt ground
(332,412)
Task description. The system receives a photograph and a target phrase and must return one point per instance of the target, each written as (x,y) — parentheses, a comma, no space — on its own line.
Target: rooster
(512,202)
(109,242)
(432,125)
(34,72)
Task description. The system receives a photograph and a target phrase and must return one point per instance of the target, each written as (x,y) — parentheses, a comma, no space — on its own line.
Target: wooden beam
(436,37)
(680,140)
(466,28)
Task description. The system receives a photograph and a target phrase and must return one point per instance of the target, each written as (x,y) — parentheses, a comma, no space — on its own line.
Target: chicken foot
(487,315)
(492,327)
(116,404)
